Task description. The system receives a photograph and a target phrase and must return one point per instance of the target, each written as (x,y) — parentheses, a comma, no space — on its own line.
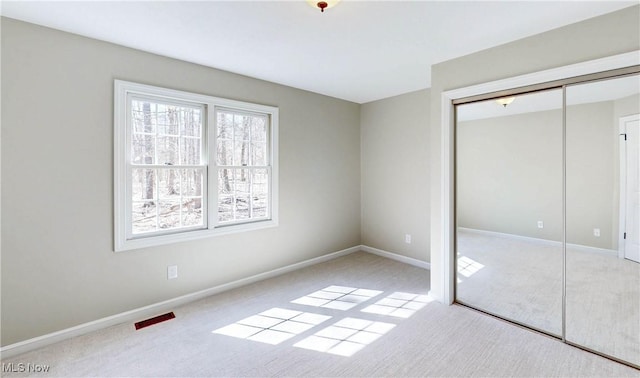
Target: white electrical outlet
(540,224)
(596,232)
(407,238)
(172,272)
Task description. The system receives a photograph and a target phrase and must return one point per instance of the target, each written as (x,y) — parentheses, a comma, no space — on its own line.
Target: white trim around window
(248,203)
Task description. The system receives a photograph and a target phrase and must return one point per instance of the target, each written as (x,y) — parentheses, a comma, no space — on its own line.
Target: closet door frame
(602,69)
(443,270)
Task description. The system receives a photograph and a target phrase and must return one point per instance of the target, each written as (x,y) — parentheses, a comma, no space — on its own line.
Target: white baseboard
(158,308)
(161,307)
(396,257)
(576,247)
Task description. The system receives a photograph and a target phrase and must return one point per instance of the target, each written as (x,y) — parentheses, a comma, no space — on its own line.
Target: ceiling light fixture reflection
(505,101)
(323,4)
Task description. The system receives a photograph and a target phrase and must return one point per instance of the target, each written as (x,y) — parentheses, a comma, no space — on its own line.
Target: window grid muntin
(219,167)
(202,108)
(251,218)
(168,102)
(181,201)
(123,91)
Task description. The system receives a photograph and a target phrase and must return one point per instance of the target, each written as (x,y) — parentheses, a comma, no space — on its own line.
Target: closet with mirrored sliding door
(547,209)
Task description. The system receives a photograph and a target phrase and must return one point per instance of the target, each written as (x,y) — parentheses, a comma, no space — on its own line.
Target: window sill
(159,240)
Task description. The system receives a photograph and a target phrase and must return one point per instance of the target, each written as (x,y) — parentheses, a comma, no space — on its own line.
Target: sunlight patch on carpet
(345,337)
(337,297)
(273,326)
(399,304)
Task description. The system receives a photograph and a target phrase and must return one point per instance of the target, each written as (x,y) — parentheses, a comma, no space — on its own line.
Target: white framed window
(188,166)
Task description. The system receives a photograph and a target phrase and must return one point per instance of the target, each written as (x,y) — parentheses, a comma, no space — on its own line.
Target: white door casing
(442,266)
(629,239)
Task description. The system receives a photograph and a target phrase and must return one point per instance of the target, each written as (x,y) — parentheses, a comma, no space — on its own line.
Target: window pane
(177,193)
(169,214)
(258,153)
(241,126)
(192,182)
(242,141)
(259,206)
(225,152)
(190,151)
(242,180)
(143,149)
(241,153)
(260,181)
(171,133)
(260,193)
(258,129)
(143,217)
(225,125)
(137,121)
(143,184)
(142,117)
(242,207)
(236,197)
(225,182)
(192,121)
(192,212)
(168,147)
(169,183)
(168,119)
(225,208)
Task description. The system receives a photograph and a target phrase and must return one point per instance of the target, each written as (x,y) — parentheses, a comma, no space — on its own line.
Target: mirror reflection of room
(509,208)
(602,268)
(514,223)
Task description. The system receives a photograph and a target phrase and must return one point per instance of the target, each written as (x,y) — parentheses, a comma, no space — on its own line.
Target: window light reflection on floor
(345,337)
(273,326)
(399,304)
(467,267)
(337,297)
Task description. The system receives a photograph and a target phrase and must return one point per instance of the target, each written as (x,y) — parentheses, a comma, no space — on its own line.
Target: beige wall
(610,34)
(395,174)
(509,172)
(592,184)
(58,265)
(626,106)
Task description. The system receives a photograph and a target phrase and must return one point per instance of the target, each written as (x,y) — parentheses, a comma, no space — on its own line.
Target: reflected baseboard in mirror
(494,265)
(509,180)
(553,181)
(602,209)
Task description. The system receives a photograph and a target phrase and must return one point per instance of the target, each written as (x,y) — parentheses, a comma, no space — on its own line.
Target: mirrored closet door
(509,208)
(547,210)
(602,206)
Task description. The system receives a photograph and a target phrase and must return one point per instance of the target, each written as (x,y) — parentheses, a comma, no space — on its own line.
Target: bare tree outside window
(166,154)
(243,171)
(190,166)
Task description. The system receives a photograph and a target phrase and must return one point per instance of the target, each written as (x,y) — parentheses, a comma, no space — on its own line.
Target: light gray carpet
(521,280)
(517,280)
(434,340)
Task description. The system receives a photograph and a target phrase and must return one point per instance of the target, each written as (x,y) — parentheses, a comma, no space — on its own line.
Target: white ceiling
(359,50)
